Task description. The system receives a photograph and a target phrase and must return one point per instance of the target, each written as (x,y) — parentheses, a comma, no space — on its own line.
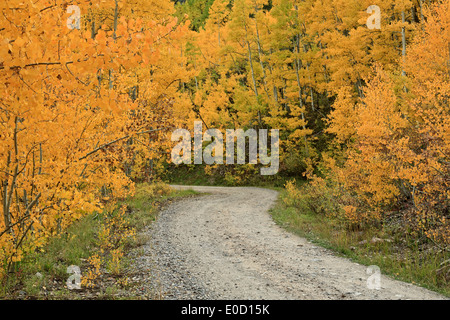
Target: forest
(91,92)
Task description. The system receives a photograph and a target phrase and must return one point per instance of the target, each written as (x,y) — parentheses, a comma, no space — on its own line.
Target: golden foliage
(81,112)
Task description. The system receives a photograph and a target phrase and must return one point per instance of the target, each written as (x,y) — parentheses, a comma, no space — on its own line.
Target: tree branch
(103,146)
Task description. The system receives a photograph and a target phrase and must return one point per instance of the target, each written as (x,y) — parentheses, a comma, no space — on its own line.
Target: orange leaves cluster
(78,108)
(280,64)
(399,152)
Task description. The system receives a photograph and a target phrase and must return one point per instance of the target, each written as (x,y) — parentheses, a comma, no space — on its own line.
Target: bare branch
(120,139)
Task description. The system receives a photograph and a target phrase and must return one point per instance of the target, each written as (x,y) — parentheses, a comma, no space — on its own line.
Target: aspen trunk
(403,40)
(258,42)
(255,88)
(297,72)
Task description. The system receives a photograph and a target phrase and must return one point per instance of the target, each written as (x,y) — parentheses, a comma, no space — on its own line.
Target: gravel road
(225,245)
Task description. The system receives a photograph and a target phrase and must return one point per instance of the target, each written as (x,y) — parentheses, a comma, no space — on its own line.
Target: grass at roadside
(43,274)
(395,255)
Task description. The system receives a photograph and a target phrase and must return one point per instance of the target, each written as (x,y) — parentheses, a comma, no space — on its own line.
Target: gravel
(225,245)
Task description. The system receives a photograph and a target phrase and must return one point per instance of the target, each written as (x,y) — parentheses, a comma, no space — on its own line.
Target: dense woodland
(85,112)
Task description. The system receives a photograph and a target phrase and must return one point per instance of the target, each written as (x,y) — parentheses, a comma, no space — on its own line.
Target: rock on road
(225,245)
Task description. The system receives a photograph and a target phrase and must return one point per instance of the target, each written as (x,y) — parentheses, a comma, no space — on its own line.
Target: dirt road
(225,245)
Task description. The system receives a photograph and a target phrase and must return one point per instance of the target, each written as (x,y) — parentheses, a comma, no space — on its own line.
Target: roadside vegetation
(223,175)
(99,244)
(389,244)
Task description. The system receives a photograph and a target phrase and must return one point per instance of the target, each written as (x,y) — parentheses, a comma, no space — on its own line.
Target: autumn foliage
(362,112)
(81,112)
(399,150)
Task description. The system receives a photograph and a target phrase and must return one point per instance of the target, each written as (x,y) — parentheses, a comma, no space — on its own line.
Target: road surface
(225,245)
